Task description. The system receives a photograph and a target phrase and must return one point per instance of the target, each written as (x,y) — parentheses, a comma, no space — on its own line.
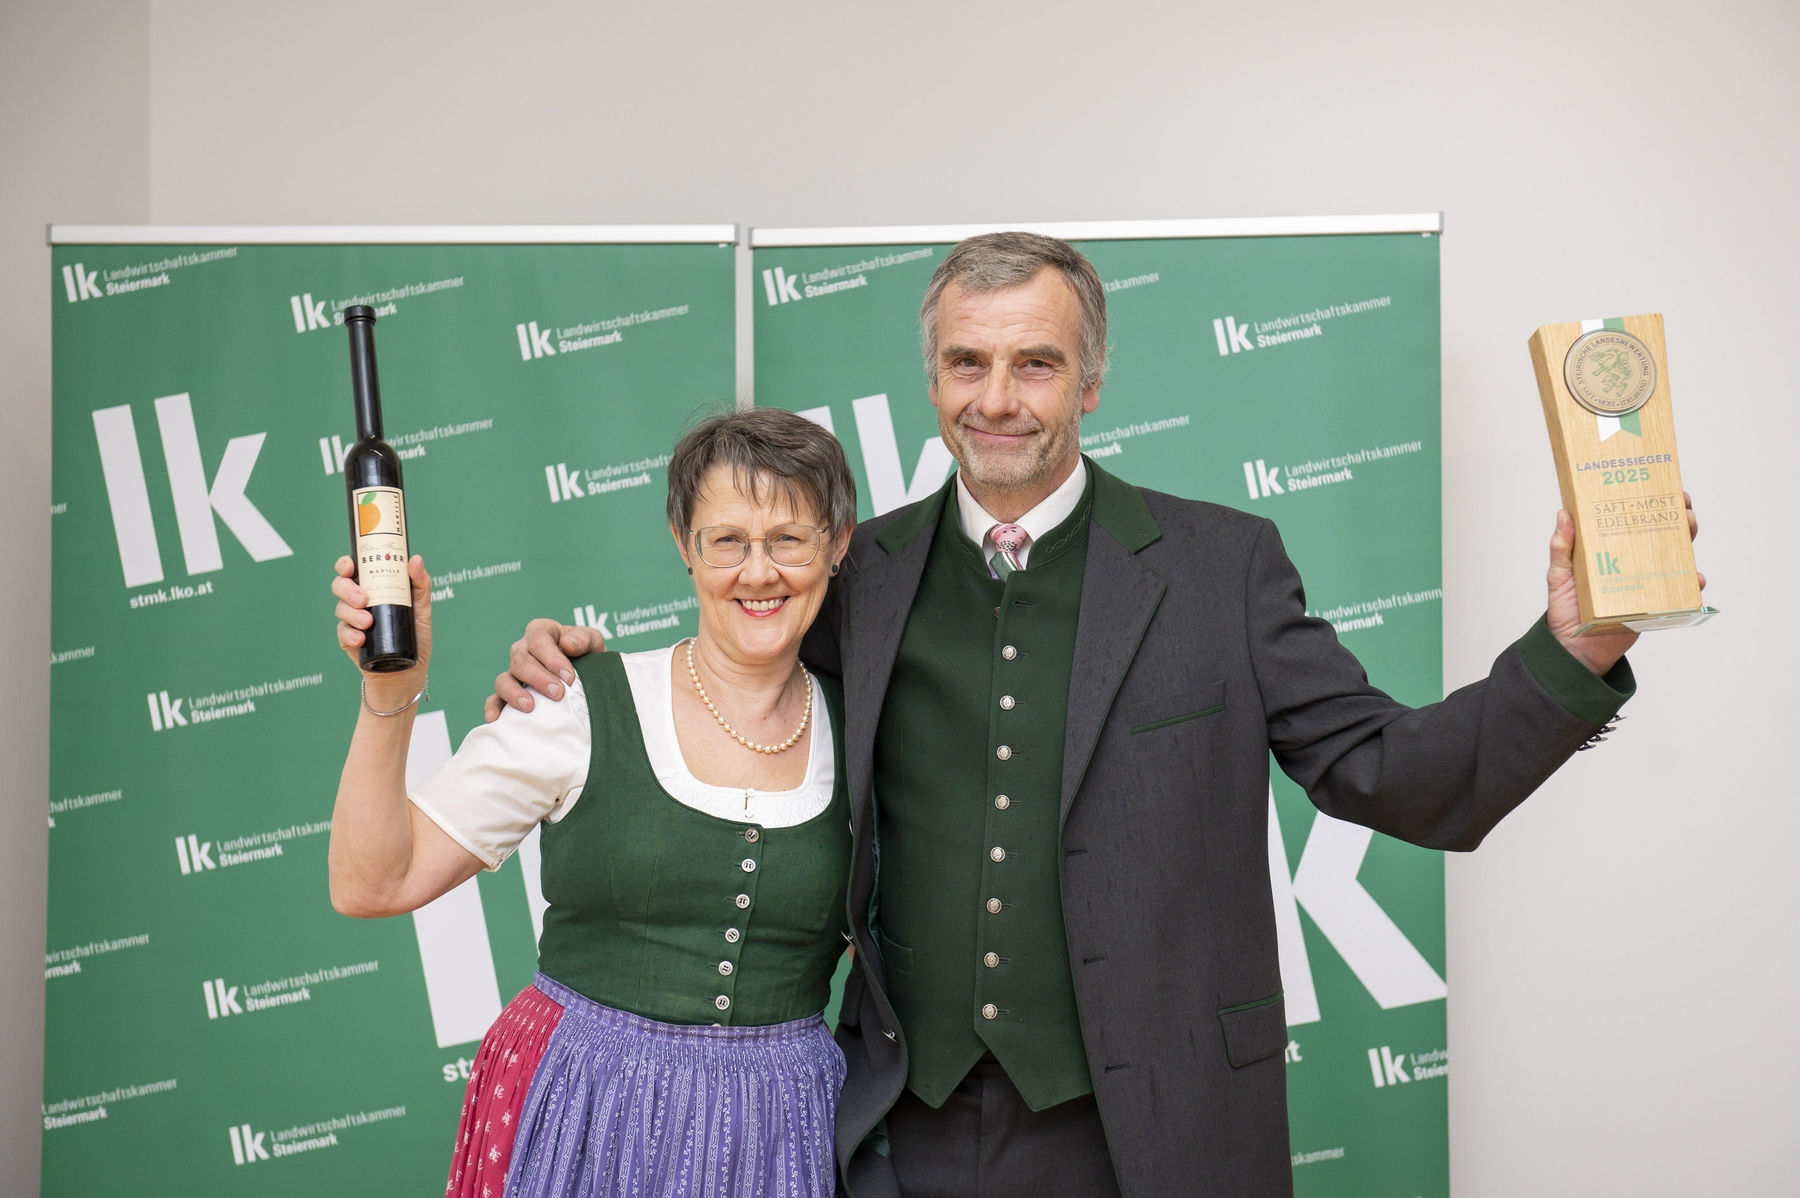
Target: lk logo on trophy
(1604,384)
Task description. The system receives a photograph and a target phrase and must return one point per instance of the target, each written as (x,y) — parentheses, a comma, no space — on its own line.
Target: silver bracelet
(424,693)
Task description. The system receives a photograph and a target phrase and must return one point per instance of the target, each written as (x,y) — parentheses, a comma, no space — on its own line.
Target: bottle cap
(360,312)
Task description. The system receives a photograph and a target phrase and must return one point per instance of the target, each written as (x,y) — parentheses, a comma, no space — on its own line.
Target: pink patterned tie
(1008,539)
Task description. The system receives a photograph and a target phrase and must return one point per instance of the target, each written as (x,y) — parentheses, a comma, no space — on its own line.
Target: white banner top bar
(1108,230)
(392,234)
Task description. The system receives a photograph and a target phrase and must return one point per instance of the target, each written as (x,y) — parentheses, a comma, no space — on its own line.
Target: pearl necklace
(805,716)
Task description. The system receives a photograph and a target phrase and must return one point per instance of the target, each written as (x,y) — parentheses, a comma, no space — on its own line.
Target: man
(1061,695)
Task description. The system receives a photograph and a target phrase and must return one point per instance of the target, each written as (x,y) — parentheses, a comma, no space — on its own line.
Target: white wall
(1620,945)
(73,147)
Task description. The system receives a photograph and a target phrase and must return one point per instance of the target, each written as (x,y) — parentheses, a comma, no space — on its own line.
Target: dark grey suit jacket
(1193,659)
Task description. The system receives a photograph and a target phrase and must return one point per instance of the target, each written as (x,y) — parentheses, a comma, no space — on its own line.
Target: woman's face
(758,610)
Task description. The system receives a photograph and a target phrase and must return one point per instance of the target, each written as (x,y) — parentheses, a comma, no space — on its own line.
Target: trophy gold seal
(1610,372)
(1605,389)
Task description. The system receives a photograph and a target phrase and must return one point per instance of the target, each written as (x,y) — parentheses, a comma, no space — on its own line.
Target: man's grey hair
(994,261)
(771,453)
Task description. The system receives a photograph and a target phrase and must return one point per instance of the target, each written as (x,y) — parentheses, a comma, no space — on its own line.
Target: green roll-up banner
(212,1025)
(1290,368)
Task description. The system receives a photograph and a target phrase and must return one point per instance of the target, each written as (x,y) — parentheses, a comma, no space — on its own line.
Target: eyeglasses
(786,545)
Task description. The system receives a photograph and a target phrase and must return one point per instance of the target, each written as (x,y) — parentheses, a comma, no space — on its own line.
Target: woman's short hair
(769,451)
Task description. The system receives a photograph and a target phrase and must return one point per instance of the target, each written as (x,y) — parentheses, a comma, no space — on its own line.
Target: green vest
(679,916)
(968,780)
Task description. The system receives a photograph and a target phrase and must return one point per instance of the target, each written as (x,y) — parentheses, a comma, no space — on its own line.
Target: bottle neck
(365,389)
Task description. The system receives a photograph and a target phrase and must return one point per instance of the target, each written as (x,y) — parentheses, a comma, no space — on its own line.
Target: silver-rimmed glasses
(786,545)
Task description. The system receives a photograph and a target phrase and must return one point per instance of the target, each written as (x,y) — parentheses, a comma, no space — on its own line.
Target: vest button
(732,935)
(1004,752)
(1007,702)
(749,865)
(990,1011)
(742,901)
(993,906)
(1001,802)
(997,854)
(722,1002)
(752,835)
(991,960)
(1008,652)
(725,969)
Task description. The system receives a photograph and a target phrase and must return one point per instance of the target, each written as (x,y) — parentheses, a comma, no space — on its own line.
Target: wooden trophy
(1605,388)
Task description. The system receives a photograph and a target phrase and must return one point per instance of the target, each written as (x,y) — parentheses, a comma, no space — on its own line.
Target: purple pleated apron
(571,1098)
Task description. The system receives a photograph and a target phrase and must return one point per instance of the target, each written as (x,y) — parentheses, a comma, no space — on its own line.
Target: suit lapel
(1119,596)
(882,581)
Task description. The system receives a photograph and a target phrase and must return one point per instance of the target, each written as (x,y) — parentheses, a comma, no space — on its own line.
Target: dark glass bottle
(377,512)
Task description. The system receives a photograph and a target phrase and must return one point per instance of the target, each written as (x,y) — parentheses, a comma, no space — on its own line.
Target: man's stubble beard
(1016,471)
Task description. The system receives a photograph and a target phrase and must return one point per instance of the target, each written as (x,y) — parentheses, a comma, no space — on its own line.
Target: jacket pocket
(896,956)
(1164,711)
(1254,1031)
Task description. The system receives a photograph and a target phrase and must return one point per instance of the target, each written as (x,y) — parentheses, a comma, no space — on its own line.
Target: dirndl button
(990,1011)
(722,1002)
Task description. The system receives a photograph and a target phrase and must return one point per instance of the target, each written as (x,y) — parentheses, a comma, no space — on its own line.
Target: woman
(694,854)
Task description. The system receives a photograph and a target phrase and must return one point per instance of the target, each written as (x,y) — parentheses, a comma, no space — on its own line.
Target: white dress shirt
(1051,511)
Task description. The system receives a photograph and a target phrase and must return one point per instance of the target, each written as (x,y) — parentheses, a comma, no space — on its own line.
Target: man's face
(1007,387)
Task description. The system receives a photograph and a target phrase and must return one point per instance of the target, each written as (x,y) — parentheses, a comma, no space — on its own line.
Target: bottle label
(381,545)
